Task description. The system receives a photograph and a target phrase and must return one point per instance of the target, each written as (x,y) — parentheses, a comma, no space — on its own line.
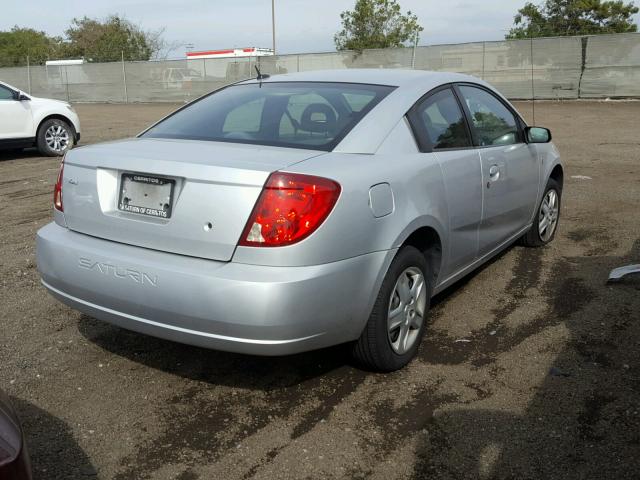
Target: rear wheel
(55,137)
(546,220)
(393,333)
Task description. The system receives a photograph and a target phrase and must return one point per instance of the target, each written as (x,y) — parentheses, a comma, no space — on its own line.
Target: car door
(510,167)
(15,116)
(441,129)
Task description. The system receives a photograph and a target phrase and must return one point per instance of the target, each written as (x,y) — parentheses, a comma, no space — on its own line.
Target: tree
(108,40)
(376,24)
(19,43)
(573,17)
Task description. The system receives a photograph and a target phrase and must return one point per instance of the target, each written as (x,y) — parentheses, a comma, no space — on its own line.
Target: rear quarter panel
(351,229)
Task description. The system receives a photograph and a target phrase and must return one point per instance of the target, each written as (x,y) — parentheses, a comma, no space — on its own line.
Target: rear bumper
(221,305)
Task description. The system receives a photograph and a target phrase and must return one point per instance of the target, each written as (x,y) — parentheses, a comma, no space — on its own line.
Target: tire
(55,137)
(538,236)
(380,347)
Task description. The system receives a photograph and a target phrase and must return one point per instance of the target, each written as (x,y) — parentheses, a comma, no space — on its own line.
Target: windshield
(287,114)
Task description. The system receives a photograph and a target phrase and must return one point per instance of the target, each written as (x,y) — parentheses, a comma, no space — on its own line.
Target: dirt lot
(530,368)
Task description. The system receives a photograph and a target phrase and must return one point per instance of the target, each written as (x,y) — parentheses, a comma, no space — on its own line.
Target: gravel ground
(530,367)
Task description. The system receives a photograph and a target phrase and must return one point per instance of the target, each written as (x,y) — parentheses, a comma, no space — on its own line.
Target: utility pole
(124,80)
(273,25)
(415,46)
(533,86)
(29,74)
(484,54)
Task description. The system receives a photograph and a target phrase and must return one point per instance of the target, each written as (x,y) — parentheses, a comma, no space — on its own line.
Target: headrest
(318,117)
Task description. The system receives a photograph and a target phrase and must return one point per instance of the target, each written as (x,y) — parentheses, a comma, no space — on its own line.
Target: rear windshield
(287,114)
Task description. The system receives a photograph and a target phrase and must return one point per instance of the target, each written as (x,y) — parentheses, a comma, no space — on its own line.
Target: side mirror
(537,135)
(18,96)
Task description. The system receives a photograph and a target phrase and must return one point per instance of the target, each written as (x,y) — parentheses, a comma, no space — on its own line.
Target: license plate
(152,196)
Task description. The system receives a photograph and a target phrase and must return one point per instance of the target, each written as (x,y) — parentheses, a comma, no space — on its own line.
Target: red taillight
(291,207)
(57,190)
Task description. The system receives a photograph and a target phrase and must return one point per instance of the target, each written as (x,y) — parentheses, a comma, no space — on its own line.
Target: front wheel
(393,333)
(546,220)
(55,137)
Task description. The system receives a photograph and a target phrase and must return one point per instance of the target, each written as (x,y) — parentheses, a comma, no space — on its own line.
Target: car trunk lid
(181,196)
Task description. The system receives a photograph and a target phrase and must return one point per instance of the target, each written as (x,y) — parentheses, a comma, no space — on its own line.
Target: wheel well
(427,240)
(59,117)
(558,175)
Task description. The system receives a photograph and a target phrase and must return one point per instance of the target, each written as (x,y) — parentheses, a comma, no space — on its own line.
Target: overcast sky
(301,25)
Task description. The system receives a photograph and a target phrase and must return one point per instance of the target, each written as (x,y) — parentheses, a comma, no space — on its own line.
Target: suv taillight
(57,190)
(291,207)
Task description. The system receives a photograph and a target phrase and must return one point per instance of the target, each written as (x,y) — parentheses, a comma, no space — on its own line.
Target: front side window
(288,114)
(441,119)
(6,94)
(491,120)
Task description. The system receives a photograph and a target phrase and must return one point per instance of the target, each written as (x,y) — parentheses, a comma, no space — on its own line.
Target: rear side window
(441,120)
(288,114)
(491,120)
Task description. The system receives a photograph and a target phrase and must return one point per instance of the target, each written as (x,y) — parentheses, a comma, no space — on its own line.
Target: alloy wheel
(406,310)
(57,138)
(548,215)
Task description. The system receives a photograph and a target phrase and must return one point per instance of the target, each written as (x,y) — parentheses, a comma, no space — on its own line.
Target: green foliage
(491,128)
(106,41)
(573,17)
(18,43)
(454,136)
(92,39)
(376,24)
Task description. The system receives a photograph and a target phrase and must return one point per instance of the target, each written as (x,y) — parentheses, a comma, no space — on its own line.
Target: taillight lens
(57,190)
(291,207)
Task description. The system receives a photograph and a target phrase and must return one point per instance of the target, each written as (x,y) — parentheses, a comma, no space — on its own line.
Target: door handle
(494,173)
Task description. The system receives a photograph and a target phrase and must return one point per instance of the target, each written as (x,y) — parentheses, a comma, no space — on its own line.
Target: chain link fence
(604,66)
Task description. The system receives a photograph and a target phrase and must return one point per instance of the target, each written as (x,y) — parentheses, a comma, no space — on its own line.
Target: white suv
(25,121)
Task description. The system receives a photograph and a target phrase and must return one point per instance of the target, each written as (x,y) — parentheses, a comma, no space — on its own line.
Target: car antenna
(261,76)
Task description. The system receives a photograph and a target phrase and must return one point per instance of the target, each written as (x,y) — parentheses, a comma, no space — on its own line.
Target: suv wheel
(55,137)
(393,333)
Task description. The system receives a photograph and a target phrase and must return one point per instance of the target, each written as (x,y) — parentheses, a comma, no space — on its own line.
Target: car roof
(375,76)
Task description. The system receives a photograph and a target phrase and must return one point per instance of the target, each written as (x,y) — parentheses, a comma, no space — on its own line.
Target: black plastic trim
(17,142)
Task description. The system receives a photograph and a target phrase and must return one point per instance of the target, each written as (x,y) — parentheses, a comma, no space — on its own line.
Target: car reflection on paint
(14,459)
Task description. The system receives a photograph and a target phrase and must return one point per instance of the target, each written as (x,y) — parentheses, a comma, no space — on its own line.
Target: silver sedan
(291,213)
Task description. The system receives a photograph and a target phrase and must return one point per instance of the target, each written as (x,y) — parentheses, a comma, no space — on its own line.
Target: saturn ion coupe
(290,213)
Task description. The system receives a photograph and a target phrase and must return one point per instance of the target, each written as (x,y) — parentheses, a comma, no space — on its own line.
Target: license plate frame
(141,194)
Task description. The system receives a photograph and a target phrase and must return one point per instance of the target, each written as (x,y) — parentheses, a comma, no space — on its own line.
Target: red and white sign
(231,52)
